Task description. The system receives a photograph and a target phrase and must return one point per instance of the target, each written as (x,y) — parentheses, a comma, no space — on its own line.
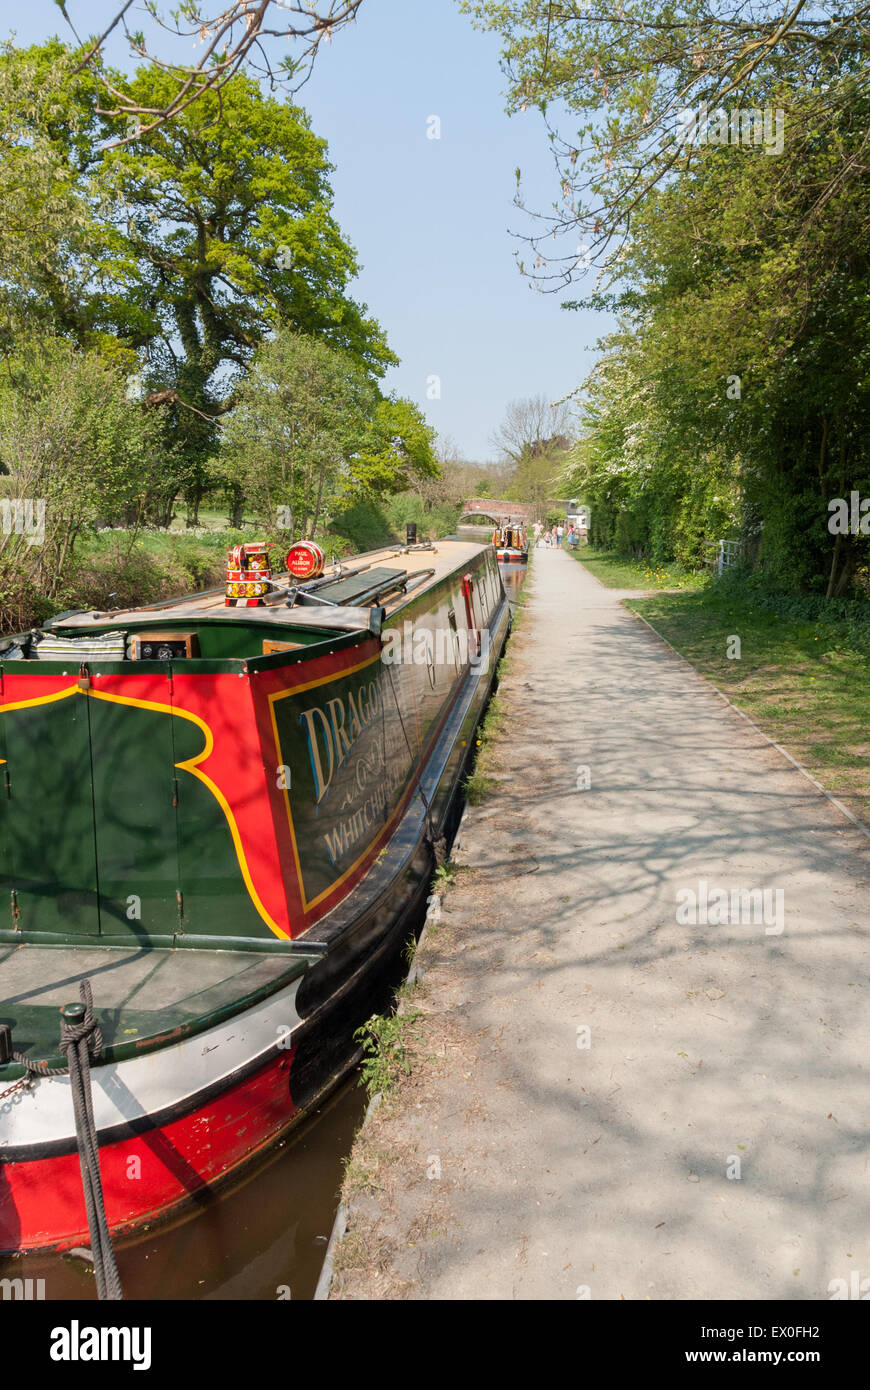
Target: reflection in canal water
(253,1240)
(512,577)
(257,1238)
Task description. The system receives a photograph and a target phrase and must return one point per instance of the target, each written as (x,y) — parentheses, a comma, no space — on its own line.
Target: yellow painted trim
(189,765)
(325,680)
(41,699)
(298,690)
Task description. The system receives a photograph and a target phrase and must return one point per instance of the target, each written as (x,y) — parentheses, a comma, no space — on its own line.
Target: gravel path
(617,1103)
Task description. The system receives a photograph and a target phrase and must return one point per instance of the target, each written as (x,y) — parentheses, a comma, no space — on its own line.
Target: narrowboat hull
(234,949)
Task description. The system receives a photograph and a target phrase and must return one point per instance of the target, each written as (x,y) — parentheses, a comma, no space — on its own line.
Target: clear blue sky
(431,219)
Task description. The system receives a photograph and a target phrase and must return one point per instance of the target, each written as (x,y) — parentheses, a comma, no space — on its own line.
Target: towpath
(711,1140)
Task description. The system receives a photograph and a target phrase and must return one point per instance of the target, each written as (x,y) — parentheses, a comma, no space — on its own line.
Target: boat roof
(349,590)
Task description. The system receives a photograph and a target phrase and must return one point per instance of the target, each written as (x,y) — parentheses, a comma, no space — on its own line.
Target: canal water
(512,577)
(263,1237)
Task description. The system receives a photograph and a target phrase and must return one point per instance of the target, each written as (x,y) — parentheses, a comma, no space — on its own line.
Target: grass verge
(803,680)
(481,781)
(621,572)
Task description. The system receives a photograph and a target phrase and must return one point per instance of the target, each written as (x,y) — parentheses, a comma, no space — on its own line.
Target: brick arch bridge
(493,511)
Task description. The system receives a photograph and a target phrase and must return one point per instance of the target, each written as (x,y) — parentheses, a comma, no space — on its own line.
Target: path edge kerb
(805,772)
(342,1216)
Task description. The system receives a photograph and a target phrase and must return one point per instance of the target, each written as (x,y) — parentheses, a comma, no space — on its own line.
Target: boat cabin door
(88,835)
(48,870)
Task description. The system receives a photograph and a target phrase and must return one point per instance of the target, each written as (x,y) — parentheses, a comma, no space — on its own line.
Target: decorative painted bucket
(305,560)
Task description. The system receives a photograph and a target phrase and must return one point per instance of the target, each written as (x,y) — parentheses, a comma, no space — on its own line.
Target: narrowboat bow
(511,545)
(223,811)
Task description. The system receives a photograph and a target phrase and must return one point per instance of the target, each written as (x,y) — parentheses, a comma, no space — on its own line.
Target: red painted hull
(41,1200)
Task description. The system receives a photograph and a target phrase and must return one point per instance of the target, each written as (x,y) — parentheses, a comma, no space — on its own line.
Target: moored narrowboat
(511,545)
(223,811)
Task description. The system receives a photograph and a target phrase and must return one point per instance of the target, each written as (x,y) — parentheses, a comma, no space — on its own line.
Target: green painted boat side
(222,799)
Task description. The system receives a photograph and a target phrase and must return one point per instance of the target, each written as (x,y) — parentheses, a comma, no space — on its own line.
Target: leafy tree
(198,238)
(49,235)
(734,399)
(230,37)
(393,451)
(230,229)
(536,479)
(621,79)
(311,430)
(291,435)
(76,452)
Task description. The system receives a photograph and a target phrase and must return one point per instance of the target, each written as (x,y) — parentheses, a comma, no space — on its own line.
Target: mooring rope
(78,1041)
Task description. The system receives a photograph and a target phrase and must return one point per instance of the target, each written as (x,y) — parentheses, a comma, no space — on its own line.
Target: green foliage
(74,445)
(51,235)
(180,251)
(229,230)
(311,434)
(395,448)
(388,1051)
(620,76)
(146,566)
(445,876)
(229,226)
(363,525)
(838,623)
(292,438)
(438,519)
(729,404)
(733,401)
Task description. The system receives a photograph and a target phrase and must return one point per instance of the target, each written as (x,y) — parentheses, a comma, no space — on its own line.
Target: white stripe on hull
(144,1085)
